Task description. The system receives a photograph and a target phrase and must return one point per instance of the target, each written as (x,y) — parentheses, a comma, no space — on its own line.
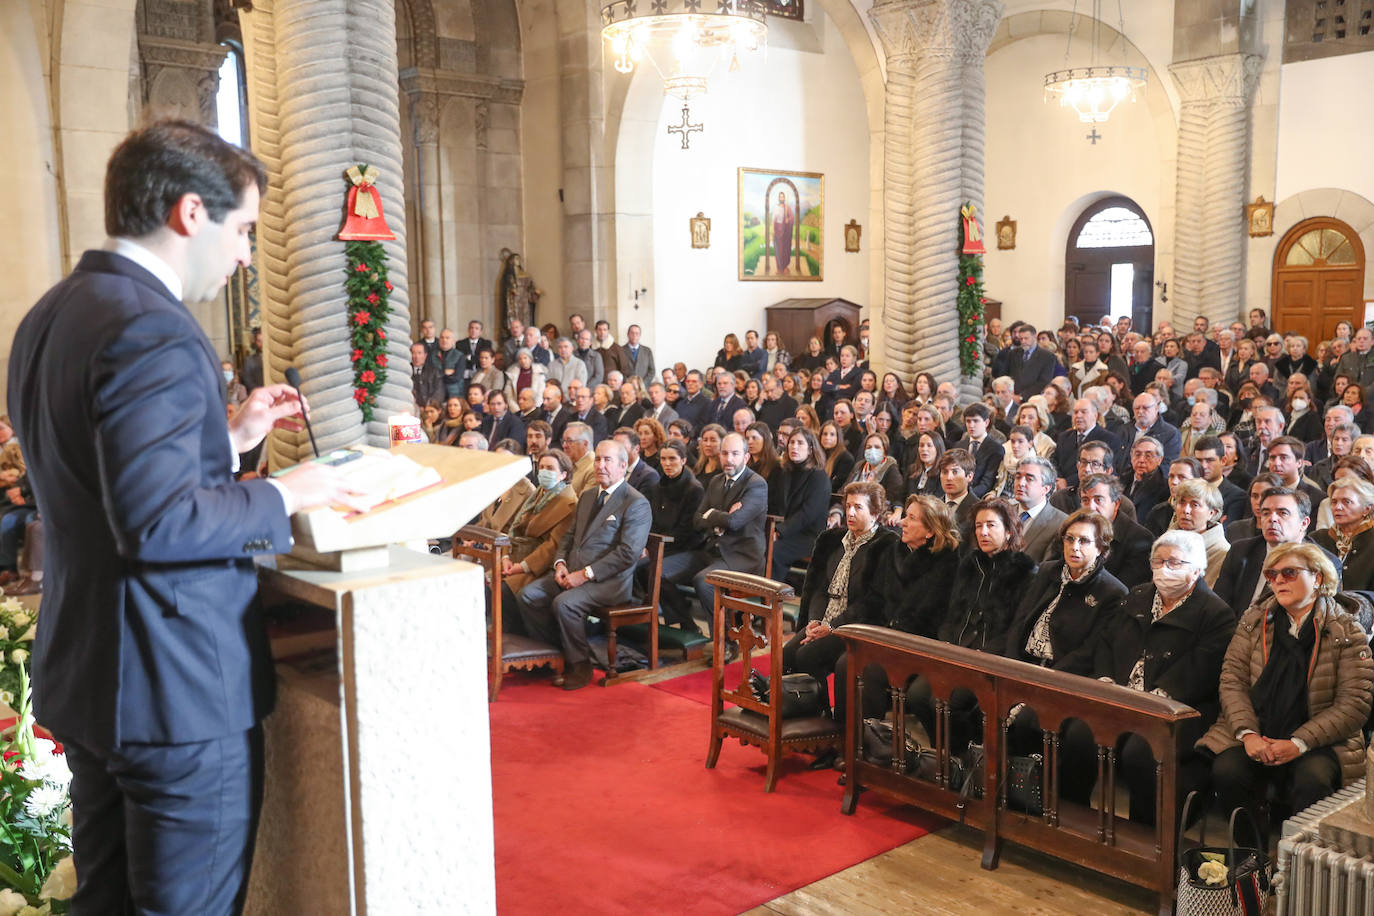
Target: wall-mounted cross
(685,128)
(1094,136)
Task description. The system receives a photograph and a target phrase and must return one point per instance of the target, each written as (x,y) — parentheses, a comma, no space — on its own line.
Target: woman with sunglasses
(1169,640)
(1295,691)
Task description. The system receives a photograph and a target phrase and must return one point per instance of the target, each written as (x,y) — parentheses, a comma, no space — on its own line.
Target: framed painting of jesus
(781,225)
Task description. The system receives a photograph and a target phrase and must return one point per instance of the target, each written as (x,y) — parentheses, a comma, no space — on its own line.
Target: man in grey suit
(732,517)
(1039,520)
(635,358)
(594,568)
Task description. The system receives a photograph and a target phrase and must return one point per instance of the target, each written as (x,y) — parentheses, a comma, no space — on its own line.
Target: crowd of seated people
(1186,512)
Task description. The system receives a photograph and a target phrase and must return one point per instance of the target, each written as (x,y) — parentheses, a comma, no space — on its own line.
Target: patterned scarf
(1345,541)
(1038,644)
(839,583)
(534,504)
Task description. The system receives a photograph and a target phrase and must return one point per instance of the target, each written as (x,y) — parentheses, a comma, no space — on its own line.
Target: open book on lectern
(416,492)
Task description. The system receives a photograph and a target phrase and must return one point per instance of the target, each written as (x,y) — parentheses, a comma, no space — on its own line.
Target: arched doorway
(1109,266)
(1318,278)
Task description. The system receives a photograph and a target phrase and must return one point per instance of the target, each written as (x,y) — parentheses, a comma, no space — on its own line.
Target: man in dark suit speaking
(151,664)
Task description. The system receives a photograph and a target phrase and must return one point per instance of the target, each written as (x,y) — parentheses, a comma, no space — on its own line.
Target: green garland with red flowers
(970,302)
(369,293)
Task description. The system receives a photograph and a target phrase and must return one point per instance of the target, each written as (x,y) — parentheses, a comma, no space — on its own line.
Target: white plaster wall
(1326,125)
(1042,172)
(796,111)
(35,263)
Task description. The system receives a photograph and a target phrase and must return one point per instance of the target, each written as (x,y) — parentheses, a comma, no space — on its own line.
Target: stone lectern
(378,783)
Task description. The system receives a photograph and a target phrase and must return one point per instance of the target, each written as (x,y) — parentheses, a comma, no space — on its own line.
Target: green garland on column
(368,308)
(970,303)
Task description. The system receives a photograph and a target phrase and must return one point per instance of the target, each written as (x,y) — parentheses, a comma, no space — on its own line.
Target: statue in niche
(519,295)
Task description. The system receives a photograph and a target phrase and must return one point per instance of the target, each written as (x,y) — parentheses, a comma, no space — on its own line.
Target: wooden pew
(1096,839)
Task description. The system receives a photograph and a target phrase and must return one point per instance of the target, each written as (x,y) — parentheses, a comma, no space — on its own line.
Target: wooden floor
(940,874)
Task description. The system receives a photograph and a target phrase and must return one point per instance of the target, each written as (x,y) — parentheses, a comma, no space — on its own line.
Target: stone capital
(416,80)
(1227,79)
(951,29)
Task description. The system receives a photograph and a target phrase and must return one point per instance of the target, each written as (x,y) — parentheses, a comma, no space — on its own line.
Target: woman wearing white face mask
(539,525)
(875,465)
(1304,422)
(1169,639)
(235,391)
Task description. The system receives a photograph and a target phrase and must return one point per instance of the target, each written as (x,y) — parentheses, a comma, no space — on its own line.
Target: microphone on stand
(293,378)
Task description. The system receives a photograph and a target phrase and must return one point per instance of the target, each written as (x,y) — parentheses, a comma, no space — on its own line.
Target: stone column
(323,95)
(1213,149)
(428,288)
(933,163)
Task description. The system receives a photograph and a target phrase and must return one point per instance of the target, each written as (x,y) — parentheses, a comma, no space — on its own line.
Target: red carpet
(604,805)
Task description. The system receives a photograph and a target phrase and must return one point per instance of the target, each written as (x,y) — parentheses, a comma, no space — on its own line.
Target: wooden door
(1090,291)
(1318,279)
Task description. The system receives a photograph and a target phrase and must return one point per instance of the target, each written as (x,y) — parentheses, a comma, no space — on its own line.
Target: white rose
(20,619)
(11,902)
(61,884)
(8,699)
(5,633)
(30,634)
(19,656)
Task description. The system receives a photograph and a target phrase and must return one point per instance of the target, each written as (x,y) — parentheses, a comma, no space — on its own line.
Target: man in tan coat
(578,440)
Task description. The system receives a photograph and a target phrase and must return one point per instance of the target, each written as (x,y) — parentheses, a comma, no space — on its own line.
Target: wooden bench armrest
(481,535)
(748,585)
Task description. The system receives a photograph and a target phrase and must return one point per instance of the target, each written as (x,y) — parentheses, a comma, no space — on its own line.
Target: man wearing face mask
(1285,515)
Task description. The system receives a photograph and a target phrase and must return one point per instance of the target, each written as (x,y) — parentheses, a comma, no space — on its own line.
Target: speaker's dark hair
(153,167)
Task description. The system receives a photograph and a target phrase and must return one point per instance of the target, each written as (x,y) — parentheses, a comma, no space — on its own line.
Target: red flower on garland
(982,301)
(969,338)
(381,359)
(389,287)
(360,394)
(361,268)
(361,317)
(356,355)
(367,377)
(969,280)
(373,298)
(381,334)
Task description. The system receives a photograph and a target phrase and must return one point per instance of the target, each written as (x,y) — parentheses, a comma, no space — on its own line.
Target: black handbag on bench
(801,695)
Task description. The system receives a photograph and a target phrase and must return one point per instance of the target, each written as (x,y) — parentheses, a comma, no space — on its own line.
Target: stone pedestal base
(378,795)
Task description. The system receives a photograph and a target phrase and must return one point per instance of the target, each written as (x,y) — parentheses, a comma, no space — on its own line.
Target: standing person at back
(151,665)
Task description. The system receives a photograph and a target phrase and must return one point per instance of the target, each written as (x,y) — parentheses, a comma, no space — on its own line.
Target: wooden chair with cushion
(505,651)
(745,598)
(637,614)
(792,609)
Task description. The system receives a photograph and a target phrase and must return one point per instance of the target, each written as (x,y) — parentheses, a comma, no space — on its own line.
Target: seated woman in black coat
(1169,639)
(836,584)
(1351,538)
(908,591)
(800,492)
(1061,618)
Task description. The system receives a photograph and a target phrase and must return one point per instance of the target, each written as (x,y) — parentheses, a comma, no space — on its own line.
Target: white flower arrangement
(17,631)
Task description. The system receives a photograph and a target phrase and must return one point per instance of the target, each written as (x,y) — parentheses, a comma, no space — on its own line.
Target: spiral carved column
(933,163)
(326,98)
(1213,150)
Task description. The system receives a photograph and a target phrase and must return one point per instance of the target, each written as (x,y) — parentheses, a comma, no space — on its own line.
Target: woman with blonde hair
(1351,538)
(1198,507)
(809,419)
(1295,691)
(1035,413)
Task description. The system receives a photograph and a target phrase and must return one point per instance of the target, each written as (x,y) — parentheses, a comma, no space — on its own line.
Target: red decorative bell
(363,219)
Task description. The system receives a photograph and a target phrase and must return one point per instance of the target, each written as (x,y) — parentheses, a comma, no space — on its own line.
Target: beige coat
(549,524)
(584,474)
(498,515)
(1338,691)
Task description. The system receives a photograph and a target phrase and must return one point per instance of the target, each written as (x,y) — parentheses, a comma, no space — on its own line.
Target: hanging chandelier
(1095,90)
(680,40)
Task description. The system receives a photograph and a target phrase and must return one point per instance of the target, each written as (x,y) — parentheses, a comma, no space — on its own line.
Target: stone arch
(1351,208)
(631,130)
(1159,99)
(418,17)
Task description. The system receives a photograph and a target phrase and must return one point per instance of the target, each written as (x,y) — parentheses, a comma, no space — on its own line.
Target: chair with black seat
(745,599)
(637,614)
(505,651)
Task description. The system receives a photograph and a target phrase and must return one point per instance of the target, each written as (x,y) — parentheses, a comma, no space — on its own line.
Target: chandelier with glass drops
(682,41)
(1095,90)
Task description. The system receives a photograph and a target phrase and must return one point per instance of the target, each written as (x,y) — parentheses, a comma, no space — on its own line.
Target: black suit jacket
(740,541)
(150,630)
(558,421)
(508,427)
(1031,374)
(988,458)
(724,413)
(643,478)
(471,351)
(1240,571)
(1148,492)
(427,386)
(1067,445)
(597,421)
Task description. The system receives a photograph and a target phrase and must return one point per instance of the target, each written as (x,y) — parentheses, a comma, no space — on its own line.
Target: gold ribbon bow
(970,214)
(363,203)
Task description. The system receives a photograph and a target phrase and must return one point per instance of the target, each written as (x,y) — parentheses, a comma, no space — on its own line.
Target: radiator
(1316,879)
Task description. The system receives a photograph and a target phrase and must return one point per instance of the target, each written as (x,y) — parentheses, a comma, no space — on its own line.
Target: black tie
(600,500)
